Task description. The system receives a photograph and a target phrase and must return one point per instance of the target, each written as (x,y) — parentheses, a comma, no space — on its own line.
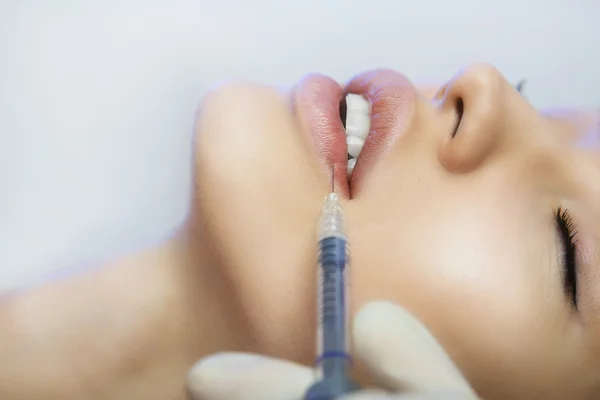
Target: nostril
(460,109)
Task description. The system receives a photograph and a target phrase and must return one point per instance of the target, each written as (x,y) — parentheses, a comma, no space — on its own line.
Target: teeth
(355,145)
(358,125)
(351,164)
(358,116)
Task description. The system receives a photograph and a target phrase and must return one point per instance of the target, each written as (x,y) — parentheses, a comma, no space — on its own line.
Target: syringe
(333,354)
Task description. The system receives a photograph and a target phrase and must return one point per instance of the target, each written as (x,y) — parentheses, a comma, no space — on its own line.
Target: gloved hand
(400,354)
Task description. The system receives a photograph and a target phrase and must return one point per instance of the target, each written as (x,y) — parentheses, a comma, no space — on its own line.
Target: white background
(96,98)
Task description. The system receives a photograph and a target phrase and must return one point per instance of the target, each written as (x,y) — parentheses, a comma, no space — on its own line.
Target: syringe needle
(332,178)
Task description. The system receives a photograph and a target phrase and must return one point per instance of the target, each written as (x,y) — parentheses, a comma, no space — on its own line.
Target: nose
(481,97)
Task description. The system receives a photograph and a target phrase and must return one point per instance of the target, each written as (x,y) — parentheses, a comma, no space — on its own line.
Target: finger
(410,396)
(378,395)
(402,355)
(372,394)
(243,376)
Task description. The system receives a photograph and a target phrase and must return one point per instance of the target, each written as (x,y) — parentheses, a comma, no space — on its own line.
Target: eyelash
(566,228)
(519,86)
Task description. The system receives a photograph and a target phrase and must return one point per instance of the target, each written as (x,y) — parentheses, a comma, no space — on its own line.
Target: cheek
(474,277)
(467,261)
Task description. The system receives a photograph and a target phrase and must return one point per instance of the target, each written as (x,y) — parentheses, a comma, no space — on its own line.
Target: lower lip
(316,101)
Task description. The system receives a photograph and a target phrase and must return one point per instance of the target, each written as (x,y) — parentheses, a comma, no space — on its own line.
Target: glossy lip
(393,101)
(316,101)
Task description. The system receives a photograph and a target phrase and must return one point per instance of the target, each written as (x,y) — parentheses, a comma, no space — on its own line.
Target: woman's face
(467,206)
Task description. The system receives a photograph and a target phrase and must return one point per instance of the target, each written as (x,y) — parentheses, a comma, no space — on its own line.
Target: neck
(128,330)
(185,312)
(189,312)
(210,312)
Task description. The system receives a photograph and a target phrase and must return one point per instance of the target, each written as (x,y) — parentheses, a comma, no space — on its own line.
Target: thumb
(402,355)
(244,376)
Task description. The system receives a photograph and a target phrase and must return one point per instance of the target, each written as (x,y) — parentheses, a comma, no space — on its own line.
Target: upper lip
(317,100)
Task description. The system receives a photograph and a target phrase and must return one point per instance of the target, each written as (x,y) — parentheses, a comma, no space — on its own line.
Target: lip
(316,102)
(393,101)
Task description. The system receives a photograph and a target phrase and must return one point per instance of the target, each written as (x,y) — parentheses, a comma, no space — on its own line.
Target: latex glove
(400,354)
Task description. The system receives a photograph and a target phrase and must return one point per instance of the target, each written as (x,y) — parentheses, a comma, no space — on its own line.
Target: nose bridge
(493,119)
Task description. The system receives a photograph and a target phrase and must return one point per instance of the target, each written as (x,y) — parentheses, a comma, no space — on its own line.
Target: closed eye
(567,231)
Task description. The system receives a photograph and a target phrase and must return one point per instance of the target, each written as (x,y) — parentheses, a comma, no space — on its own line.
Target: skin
(459,230)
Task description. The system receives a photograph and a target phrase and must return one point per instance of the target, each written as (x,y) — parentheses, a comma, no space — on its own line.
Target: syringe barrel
(333,342)
(333,338)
